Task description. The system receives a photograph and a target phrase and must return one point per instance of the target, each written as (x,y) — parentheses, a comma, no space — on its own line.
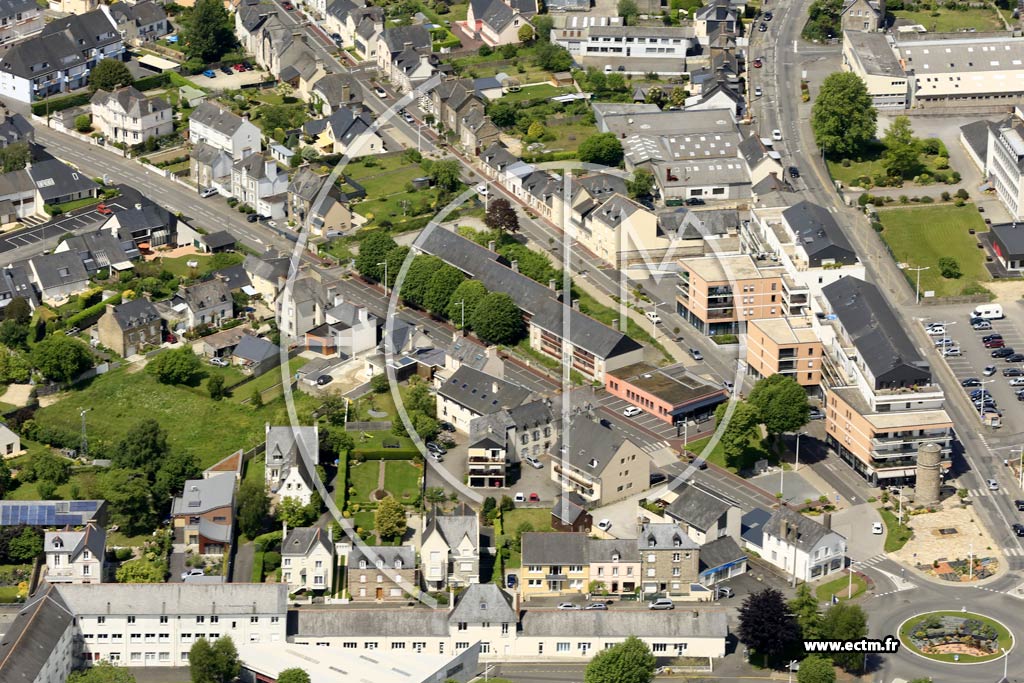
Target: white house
(129,117)
(287,451)
(19,19)
(800,546)
(10,443)
(450,552)
(222,129)
(307,559)
(260,183)
(469,394)
(75,556)
(205,303)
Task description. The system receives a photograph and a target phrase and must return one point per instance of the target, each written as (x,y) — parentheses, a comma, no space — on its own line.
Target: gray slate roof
(375,622)
(480,392)
(454,527)
(130,100)
(303,540)
(568,507)
(397,37)
(30,640)
(718,552)
(206,294)
(483,602)
(660,536)
(255,349)
(697,507)
(493,13)
(819,234)
(58,269)
(606,549)
(218,118)
(54,178)
(592,445)
(625,622)
(387,554)
(554,547)
(975,135)
(808,532)
(135,313)
(203,495)
(92,538)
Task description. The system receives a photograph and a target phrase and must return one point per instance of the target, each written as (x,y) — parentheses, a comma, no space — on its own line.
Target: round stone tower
(929,475)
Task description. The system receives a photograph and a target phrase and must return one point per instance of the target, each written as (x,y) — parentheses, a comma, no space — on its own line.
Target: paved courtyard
(929,545)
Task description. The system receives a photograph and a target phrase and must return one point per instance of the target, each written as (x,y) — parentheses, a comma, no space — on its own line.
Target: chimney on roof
(284,531)
(494,387)
(575,304)
(346,93)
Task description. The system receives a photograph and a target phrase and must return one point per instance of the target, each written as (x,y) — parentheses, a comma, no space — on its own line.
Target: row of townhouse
(60,57)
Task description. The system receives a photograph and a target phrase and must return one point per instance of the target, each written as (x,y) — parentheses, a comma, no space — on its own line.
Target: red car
(995,344)
(757,63)
(239,68)
(534,498)
(104,210)
(288,6)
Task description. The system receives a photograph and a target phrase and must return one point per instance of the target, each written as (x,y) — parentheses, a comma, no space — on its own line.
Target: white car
(757,91)
(630,411)
(207,192)
(1017,382)
(604,524)
(520,498)
(534,462)
(936,330)
(876,528)
(776,134)
(653,317)
(952,351)
(381,92)
(195,571)
(568,605)
(482,190)
(989,370)
(993,485)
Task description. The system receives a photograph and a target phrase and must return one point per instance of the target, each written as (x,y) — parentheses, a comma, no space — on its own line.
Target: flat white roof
(341,666)
(158,62)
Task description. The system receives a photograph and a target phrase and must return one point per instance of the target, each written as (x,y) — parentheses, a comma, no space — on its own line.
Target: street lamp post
(917,297)
(849,589)
(462,307)
(901,505)
(970,563)
(385,264)
(796,465)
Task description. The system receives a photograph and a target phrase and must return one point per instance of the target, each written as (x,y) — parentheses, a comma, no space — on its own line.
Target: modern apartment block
(881,402)
(787,346)
(719,294)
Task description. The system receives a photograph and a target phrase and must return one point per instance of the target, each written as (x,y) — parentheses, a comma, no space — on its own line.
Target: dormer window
(380,564)
(676,542)
(615,557)
(362,564)
(57,543)
(650,542)
(398,564)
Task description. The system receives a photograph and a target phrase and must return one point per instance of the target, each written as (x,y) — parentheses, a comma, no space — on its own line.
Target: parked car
(207,192)
(794,172)
(653,317)
(511,580)
(239,68)
(336,37)
(1019,504)
(104,210)
(534,498)
(767,16)
(210,73)
(972,382)
(226,70)
(252,217)
(758,91)
(936,330)
(446,426)
(661,603)
(994,344)
(876,528)
(568,605)
(597,605)
(1013,372)
(990,337)
(762,27)
(435,447)
(696,354)
(974,320)
(288,6)
(951,351)
(436,457)
(323,380)
(194,571)
(757,63)
(534,462)
(604,524)
(520,497)
(630,411)
(1015,358)
(943,342)
(482,190)
(989,370)
(658,478)
(724,592)
(983,325)
(1018,529)
(219,362)
(1003,352)
(776,134)
(1017,382)
(817,414)
(694,201)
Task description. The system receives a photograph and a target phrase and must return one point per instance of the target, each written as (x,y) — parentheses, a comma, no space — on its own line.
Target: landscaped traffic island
(961,637)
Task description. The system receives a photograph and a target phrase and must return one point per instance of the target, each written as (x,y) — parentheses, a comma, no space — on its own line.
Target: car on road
(336,37)
(661,603)
(794,172)
(435,447)
(768,16)
(597,605)
(658,478)
(992,484)
(1003,352)
(207,192)
(776,134)
(694,201)
(534,462)
(989,370)
(604,524)
(568,605)
(1013,372)
(520,497)
(407,117)
(1019,504)
(380,92)
(534,498)
(876,528)
(696,354)
(511,580)
(763,27)
(758,91)
(288,6)
(1018,529)
(758,63)
(724,592)
(210,73)
(971,382)
(653,317)
(219,362)
(195,571)
(324,380)
(630,411)
(482,190)
(252,217)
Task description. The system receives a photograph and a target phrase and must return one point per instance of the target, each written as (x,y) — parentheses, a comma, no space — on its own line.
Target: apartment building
(19,19)
(224,130)
(614,566)
(787,346)
(203,515)
(612,40)
(75,556)
(719,294)
(381,573)
(469,394)
(669,560)
(307,559)
(800,546)
(598,463)
(997,148)
(870,56)
(554,563)
(881,402)
(506,437)
(670,394)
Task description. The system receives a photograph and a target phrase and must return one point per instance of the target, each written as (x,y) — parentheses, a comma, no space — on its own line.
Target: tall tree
(5,478)
(629,11)
(630,661)
(102,672)
(292,512)
(902,152)
(110,74)
(497,319)
(215,387)
(603,148)
(843,118)
(641,184)
(738,432)
(395,258)
(18,310)
(207,34)
(61,358)
(141,571)
(417,279)
(175,469)
(442,285)
(845,622)
(445,174)
(816,669)
(765,624)
(14,157)
(130,497)
(543,24)
(389,518)
(373,250)
(501,216)
(823,20)
(781,404)
(805,608)
(176,366)
(294,675)
(202,662)
(144,447)
(253,507)
(464,300)
(26,546)
(227,657)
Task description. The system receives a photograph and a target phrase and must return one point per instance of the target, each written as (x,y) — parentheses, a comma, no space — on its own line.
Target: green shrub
(152,82)
(55,104)
(927,200)
(122,554)
(268,540)
(877,227)
(90,315)
(385,453)
(271,560)
(257,567)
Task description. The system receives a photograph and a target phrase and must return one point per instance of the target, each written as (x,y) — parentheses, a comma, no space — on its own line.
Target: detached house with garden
(286,453)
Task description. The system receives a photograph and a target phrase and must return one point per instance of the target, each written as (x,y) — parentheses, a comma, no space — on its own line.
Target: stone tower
(929,475)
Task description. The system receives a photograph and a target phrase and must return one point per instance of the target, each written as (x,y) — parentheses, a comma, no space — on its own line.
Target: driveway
(855,524)
(241,570)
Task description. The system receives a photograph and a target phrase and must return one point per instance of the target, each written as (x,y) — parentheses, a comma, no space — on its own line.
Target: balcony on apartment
(487,460)
(583,483)
(793,292)
(721,314)
(484,471)
(910,441)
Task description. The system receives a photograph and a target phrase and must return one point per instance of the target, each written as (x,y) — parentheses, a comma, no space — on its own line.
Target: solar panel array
(74,513)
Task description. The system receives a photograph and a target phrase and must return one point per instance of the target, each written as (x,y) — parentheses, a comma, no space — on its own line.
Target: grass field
(754,452)
(120,399)
(179,266)
(840,588)
(539,519)
(363,477)
(402,479)
(386,194)
(896,535)
(364,519)
(872,164)
(8,593)
(1004,636)
(536,92)
(919,236)
(266,380)
(948,21)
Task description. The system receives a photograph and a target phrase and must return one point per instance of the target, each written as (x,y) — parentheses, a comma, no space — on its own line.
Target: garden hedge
(385,453)
(91,314)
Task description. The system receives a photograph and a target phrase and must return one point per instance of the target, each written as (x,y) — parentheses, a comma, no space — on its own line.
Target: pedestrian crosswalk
(872,561)
(1013,552)
(656,446)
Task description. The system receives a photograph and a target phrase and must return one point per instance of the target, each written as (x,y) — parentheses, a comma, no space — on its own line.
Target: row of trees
(776,401)
(443,290)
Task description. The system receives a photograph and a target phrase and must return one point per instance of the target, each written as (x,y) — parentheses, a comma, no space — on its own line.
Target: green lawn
(950,21)
(1005,637)
(179,267)
(402,479)
(363,477)
(919,236)
(8,594)
(535,92)
(568,136)
(364,520)
(841,588)
(266,380)
(78,203)
(194,422)
(871,164)
(754,452)
(896,536)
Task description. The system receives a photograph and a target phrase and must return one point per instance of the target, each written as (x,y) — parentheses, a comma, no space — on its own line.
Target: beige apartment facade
(718,295)
(787,346)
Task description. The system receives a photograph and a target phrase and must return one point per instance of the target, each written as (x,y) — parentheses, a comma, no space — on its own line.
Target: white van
(988,312)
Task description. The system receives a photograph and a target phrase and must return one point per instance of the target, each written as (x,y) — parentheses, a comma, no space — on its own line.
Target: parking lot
(522,479)
(644,427)
(974,358)
(37,231)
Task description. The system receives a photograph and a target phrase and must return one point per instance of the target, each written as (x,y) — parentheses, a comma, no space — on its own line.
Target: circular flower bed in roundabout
(955,637)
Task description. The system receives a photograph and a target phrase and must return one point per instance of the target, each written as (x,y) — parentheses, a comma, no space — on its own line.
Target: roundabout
(957,637)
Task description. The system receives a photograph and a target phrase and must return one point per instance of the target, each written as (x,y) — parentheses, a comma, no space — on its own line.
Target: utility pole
(385,264)
(83,448)
(462,307)
(917,298)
